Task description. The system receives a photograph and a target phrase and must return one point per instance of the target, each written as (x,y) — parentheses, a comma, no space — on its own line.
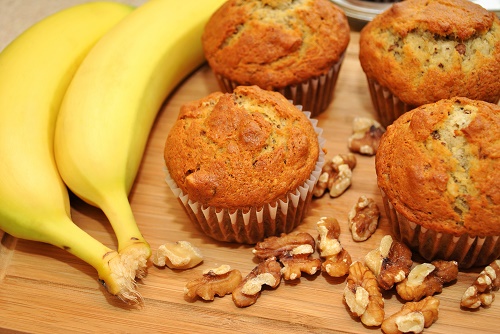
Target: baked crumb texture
(438,168)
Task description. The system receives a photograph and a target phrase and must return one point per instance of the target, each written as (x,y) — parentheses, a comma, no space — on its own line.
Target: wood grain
(46,290)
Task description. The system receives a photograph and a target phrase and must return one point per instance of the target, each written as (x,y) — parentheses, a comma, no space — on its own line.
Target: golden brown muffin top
(427,50)
(439,166)
(242,149)
(275,43)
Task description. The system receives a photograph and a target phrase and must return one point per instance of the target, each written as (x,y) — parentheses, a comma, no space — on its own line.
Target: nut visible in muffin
(438,169)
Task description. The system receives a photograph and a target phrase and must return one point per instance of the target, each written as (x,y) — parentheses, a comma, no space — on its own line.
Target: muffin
(244,164)
(438,169)
(293,47)
(421,51)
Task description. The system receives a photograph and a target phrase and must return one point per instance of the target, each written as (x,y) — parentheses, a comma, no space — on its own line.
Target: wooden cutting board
(46,290)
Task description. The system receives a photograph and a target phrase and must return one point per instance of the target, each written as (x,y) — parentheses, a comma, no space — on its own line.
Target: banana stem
(133,248)
(110,268)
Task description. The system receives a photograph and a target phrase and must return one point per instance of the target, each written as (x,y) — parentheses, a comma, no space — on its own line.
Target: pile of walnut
(387,267)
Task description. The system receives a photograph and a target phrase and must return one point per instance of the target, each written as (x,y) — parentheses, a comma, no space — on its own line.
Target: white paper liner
(314,95)
(249,227)
(431,245)
(388,106)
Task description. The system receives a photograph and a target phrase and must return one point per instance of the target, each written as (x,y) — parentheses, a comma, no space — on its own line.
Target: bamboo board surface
(46,290)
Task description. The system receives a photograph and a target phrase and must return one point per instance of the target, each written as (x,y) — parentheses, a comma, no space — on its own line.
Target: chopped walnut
(280,246)
(294,265)
(426,279)
(366,136)
(481,291)
(362,295)
(219,281)
(334,176)
(340,182)
(413,317)
(363,218)
(293,250)
(337,259)
(390,262)
(177,255)
(267,272)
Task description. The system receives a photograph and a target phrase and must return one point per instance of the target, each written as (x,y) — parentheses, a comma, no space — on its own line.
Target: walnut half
(481,291)
(336,259)
(177,255)
(390,262)
(219,281)
(248,291)
(426,279)
(293,250)
(413,317)
(336,175)
(366,136)
(362,295)
(363,218)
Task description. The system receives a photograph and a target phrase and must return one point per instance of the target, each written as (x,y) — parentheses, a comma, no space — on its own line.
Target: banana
(36,68)
(110,106)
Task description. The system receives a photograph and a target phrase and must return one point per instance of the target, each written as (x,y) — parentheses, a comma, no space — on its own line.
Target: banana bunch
(77,103)
(110,106)
(36,68)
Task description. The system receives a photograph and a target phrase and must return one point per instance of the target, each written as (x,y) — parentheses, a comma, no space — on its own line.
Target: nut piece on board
(427,279)
(334,176)
(177,255)
(337,259)
(362,295)
(363,218)
(366,136)
(248,291)
(481,291)
(293,251)
(413,317)
(390,262)
(279,246)
(219,281)
(298,262)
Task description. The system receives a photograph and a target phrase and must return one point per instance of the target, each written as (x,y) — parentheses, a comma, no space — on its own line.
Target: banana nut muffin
(294,47)
(243,163)
(438,168)
(421,51)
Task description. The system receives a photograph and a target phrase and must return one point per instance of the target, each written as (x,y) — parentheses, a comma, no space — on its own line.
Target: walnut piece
(293,250)
(426,279)
(268,272)
(413,317)
(334,176)
(340,182)
(481,291)
(362,295)
(390,262)
(177,255)
(363,218)
(337,259)
(279,246)
(219,281)
(296,264)
(366,136)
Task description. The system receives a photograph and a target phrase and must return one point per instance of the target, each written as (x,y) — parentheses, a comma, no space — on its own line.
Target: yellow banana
(112,101)
(35,70)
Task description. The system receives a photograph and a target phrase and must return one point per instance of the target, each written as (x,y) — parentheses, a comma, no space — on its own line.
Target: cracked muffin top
(427,50)
(275,43)
(242,149)
(439,166)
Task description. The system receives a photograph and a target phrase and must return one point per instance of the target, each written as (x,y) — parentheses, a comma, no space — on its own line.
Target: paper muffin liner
(387,105)
(314,95)
(468,251)
(257,223)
